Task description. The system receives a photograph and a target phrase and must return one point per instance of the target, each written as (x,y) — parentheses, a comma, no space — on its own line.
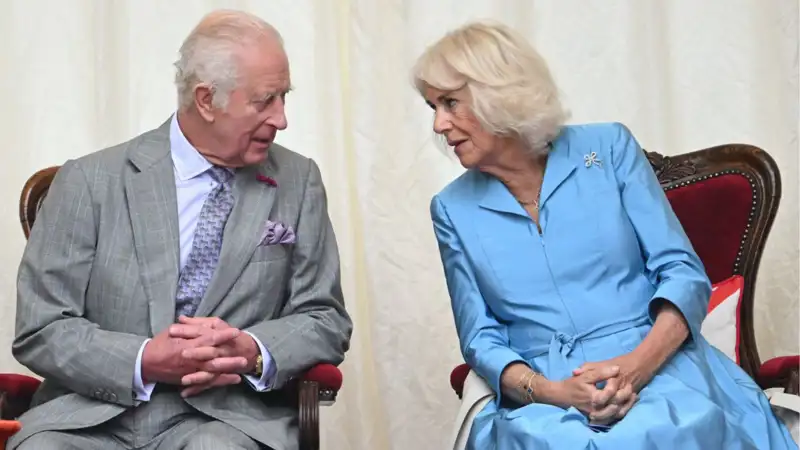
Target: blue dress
(580,291)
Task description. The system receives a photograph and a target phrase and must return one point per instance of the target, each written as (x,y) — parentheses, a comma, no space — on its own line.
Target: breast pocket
(274,252)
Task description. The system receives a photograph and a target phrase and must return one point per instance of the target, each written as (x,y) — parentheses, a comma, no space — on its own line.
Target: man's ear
(204,101)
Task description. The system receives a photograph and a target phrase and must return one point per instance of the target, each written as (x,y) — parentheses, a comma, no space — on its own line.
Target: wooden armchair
(726,198)
(319,385)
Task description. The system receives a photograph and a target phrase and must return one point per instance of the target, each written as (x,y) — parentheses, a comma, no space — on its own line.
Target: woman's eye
(450,103)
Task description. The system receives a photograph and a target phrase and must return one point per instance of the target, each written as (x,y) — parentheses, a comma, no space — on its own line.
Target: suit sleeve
(314,326)
(484,340)
(672,264)
(52,337)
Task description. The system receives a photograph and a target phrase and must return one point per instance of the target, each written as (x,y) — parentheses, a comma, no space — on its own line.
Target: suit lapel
(254,200)
(152,204)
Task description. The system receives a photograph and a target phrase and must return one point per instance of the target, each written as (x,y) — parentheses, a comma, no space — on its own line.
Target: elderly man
(170,279)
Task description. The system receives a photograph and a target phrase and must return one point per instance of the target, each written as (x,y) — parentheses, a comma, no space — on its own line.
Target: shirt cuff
(141,391)
(268,374)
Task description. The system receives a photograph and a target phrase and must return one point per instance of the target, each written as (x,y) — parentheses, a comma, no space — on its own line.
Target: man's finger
(198,378)
(601,374)
(221,380)
(231,364)
(214,338)
(206,353)
(188,331)
(208,322)
(194,390)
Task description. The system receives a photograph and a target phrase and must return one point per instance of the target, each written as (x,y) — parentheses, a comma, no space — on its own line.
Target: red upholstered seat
(726,198)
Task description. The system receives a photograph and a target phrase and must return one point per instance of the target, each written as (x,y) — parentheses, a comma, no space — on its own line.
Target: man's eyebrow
(275,93)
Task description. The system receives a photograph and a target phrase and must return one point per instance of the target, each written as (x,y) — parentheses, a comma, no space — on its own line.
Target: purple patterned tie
(206,245)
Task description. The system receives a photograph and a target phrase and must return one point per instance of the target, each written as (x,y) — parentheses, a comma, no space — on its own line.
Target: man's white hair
(208,55)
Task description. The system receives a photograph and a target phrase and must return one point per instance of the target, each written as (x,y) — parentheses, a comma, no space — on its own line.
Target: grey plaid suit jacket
(100,271)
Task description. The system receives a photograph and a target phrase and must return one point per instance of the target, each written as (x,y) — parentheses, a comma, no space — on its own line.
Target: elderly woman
(576,294)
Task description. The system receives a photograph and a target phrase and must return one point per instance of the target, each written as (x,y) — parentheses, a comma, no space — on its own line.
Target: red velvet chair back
(726,198)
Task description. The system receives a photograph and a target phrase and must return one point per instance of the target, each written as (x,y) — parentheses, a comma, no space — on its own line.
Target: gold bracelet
(529,391)
(525,386)
(521,382)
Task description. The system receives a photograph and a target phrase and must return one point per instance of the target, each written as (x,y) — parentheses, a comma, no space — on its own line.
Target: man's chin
(254,158)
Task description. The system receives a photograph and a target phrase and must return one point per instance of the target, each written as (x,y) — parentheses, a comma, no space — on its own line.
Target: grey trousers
(166,422)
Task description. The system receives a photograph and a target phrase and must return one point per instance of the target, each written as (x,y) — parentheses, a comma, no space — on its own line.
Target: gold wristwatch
(259,366)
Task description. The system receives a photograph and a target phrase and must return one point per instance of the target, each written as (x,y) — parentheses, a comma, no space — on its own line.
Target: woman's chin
(468,161)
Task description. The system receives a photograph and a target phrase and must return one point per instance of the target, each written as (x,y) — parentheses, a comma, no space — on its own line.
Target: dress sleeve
(484,340)
(672,264)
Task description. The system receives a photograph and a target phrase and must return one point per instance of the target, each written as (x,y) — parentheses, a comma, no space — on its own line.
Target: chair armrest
(328,378)
(457,378)
(16,392)
(783,372)
(7,429)
(317,386)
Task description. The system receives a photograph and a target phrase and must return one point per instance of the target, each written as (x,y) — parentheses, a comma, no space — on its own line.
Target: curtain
(81,75)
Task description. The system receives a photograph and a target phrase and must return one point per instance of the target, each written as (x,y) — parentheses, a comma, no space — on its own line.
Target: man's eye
(262,104)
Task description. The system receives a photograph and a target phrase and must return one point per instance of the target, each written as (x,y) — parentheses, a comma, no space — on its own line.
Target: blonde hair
(513,92)
(208,55)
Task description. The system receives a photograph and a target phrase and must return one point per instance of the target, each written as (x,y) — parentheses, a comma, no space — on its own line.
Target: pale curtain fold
(80,75)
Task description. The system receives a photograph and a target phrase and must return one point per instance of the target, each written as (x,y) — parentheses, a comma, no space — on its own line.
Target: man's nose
(277,115)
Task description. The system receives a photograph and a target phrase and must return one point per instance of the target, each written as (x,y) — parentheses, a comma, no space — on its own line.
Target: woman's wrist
(525,385)
(548,392)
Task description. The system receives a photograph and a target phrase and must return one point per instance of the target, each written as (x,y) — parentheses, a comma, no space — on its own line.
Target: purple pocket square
(277,233)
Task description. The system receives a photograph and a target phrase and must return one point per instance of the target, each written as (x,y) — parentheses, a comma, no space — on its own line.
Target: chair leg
(309,415)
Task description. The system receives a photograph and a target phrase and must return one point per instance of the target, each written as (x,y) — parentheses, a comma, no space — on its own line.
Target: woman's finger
(603,396)
(599,374)
(623,394)
(604,415)
(623,411)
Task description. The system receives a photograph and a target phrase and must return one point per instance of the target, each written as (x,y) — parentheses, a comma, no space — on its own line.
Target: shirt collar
(188,162)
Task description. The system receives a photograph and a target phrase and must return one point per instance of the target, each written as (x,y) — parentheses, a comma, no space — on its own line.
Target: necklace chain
(534,202)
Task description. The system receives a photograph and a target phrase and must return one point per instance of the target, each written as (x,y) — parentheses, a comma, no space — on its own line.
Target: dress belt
(562,344)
